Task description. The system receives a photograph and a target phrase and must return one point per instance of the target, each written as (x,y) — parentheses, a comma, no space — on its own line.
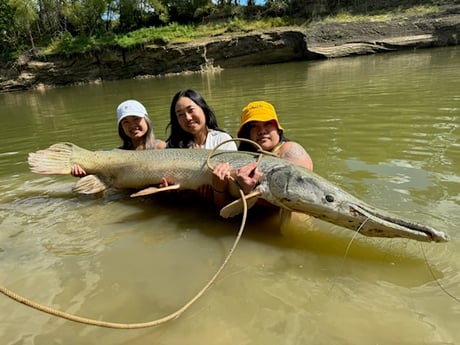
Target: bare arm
(247,177)
(295,153)
(220,180)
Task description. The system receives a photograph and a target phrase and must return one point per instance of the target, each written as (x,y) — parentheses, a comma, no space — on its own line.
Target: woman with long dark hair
(193,124)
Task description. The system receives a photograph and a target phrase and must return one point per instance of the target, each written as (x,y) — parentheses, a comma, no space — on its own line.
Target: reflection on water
(384,128)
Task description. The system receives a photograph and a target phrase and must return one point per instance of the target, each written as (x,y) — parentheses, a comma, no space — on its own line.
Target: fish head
(300,190)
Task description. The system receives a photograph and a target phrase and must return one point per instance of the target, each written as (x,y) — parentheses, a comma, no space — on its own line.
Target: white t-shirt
(214,138)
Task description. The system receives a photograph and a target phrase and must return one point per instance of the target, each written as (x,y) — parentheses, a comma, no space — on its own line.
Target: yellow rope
(117,325)
(259,150)
(152,323)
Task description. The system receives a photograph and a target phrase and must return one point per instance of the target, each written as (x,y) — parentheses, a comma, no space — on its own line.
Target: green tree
(111,13)
(24,15)
(129,15)
(86,16)
(157,9)
(6,23)
(185,11)
(52,17)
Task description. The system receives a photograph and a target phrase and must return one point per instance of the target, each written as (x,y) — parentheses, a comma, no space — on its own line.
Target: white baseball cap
(130,108)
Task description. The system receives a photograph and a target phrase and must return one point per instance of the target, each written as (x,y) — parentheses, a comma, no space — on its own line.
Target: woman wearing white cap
(135,127)
(135,130)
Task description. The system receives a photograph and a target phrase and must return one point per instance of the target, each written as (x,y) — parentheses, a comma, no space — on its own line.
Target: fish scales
(283,183)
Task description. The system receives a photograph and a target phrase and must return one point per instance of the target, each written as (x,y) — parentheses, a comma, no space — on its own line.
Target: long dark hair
(148,138)
(178,137)
(244,133)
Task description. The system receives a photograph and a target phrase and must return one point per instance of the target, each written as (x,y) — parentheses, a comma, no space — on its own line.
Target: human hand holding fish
(247,177)
(77,171)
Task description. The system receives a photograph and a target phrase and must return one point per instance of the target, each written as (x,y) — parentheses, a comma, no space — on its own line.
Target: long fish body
(283,183)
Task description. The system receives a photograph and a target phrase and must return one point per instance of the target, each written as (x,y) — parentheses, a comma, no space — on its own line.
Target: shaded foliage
(6,23)
(70,25)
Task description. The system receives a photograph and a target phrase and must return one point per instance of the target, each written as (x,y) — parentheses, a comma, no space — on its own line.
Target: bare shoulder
(292,147)
(294,152)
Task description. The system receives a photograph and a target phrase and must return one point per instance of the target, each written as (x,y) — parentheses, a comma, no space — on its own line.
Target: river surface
(383,127)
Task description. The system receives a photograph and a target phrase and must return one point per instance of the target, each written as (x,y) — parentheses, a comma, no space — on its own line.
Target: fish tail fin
(56,159)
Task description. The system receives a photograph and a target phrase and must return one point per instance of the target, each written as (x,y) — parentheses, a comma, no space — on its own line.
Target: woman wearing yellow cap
(260,124)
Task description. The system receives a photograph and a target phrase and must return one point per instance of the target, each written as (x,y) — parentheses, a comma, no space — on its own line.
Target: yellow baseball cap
(258,111)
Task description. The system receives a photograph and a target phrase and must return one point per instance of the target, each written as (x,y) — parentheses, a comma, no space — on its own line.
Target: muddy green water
(383,127)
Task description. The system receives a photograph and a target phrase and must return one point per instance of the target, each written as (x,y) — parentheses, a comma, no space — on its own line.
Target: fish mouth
(379,224)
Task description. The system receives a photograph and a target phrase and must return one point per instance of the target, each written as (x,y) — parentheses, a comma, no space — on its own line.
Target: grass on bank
(172,33)
(394,14)
(175,33)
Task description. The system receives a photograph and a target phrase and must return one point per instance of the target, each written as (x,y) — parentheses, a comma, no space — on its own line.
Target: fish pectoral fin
(236,207)
(89,184)
(154,190)
(285,217)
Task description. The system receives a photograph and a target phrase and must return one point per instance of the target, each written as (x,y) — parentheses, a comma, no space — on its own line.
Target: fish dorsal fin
(154,190)
(89,184)
(236,207)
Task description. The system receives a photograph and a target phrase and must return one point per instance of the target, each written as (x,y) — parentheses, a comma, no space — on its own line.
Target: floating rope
(260,150)
(169,317)
(117,325)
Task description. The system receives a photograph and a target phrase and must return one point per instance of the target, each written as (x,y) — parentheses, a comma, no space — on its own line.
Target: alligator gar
(284,184)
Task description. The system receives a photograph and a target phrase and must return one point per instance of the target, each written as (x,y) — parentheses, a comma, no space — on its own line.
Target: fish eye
(329,198)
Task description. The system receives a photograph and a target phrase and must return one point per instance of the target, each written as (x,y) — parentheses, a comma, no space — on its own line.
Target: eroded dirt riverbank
(316,41)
